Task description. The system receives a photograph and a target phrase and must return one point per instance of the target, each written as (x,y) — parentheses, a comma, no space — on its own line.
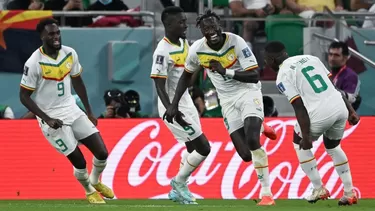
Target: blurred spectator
(198,98)
(359,5)
(6,112)
(251,8)
(369,21)
(133,101)
(186,5)
(269,107)
(344,78)
(69,5)
(25,5)
(116,106)
(281,7)
(111,5)
(306,8)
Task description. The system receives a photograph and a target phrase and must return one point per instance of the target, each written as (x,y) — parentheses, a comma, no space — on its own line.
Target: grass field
(165,205)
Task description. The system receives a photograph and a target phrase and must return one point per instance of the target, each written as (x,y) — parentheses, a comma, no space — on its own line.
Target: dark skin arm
(250,76)
(303,120)
(80,89)
(160,89)
(25,98)
(172,111)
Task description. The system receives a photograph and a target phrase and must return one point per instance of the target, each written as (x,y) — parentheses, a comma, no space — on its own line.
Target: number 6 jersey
(50,80)
(306,77)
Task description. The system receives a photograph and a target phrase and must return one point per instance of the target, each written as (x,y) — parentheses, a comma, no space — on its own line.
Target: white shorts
(189,133)
(330,123)
(66,138)
(247,104)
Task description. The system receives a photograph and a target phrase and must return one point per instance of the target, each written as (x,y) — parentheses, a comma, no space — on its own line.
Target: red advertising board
(144,157)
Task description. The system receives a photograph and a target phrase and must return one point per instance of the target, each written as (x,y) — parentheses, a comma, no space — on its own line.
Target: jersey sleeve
(192,64)
(159,65)
(76,67)
(8,113)
(30,76)
(286,86)
(244,55)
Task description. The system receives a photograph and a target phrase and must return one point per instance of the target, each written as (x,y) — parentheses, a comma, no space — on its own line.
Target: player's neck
(53,53)
(173,39)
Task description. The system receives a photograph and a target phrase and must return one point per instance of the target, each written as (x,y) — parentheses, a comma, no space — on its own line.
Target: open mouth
(56,43)
(214,38)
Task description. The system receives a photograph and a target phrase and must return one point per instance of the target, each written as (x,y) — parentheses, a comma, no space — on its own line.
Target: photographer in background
(116,105)
(133,101)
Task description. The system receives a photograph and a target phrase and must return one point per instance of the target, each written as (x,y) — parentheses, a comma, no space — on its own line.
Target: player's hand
(305,144)
(170,113)
(216,66)
(353,118)
(92,118)
(54,123)
(180,120)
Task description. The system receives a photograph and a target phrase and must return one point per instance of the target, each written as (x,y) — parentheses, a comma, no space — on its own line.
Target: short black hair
(172,10)
(43,23)
(339,44)
(209,13)
(274,47)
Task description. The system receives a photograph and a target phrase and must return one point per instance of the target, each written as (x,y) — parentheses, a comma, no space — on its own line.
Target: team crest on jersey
(246,52)
(26,70)
(281,87)
(230,57)
(159,59)
(256,101)
(68,65)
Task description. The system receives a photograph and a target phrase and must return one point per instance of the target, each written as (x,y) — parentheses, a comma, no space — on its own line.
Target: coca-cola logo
(146,159)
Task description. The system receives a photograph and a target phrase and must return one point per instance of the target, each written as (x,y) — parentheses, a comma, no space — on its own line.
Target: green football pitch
(165,205)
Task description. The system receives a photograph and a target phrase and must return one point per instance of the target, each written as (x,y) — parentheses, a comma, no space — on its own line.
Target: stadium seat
(218,3)
(286,31)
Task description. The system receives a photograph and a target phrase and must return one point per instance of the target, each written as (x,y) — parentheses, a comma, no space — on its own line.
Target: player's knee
(102,154)
(201,145)
(246,156)
(79,164)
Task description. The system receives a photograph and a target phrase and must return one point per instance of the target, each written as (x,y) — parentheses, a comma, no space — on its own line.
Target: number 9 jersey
(50,80)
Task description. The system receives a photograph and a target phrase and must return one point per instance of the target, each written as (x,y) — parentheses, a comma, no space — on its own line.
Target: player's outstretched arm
(160,89)
(25,98)
(303,120)
(80,89)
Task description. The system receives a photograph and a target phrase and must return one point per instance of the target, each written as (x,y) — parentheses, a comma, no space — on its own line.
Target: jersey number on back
(60,89)
(313,79)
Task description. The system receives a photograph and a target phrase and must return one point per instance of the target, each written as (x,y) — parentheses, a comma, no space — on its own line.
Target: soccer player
(49,73)
(232,70)
(167,67)
(320,110)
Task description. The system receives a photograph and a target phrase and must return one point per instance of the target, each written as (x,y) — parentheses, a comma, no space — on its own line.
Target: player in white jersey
(320,110)
(167,67)
(49,73)
(232,70)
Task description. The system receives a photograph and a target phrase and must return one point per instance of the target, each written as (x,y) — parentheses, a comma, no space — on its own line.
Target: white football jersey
(168,62)
(50,79)
(306,76)
(235,54)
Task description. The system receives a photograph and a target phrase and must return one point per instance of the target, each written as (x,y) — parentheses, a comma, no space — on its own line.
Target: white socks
(309,166)
(342,167)
(260,162)
(184,155)
(192,162)
(83,177)
(97,169)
